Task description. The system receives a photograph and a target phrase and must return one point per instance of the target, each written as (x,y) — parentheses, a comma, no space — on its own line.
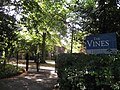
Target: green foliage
(94,16)
(101,16)
(45,19)
(78,71)
(7,35)
(43,16)
(8,28)
(8,70)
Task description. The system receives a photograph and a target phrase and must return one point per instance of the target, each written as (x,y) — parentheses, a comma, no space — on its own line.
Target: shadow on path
(32,80)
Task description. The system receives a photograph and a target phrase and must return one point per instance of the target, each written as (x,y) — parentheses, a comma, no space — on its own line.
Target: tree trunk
(43,48)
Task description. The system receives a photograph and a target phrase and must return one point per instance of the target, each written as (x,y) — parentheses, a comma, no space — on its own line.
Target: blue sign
(101,44)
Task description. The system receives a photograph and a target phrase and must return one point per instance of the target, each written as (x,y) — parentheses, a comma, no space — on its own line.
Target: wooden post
(72,41)
(17,59)
(27,61)
(37,63)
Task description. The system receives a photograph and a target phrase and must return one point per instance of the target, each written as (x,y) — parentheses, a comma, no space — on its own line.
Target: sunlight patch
(39,80)
(27,77)
(53,74)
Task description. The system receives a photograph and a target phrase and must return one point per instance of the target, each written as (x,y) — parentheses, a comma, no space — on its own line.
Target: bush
(8,70)
(80,71)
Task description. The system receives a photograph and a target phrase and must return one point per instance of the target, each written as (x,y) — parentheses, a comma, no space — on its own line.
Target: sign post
(101,44)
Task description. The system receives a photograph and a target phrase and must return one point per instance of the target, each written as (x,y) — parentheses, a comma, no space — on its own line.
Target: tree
(78,19)
(8,28)
(105,18)
(44,18)
(97,16)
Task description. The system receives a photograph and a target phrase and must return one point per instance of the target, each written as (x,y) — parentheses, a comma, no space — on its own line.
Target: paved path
(45,79)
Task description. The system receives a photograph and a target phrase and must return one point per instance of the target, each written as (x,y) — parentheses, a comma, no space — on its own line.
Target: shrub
(8,70)
(80,71)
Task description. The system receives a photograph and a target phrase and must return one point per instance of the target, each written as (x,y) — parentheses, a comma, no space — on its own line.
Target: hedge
(88,72)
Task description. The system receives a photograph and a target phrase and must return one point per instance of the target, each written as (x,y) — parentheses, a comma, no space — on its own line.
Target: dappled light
(48,42)
(39,80)
(45,79)
(50,65)
(41,75)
